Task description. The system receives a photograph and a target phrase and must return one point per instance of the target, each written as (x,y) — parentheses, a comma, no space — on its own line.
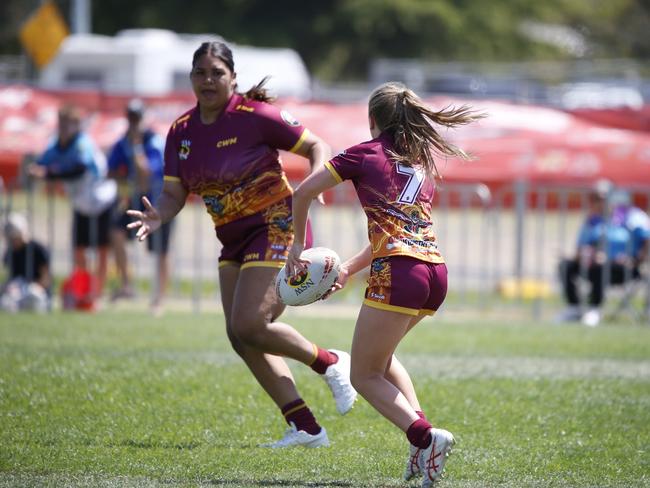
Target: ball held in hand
(314,282)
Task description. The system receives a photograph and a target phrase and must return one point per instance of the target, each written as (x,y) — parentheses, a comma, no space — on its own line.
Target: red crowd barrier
(515,142)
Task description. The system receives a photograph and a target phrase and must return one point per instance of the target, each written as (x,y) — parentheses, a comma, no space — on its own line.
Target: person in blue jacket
(73,158)
(136,161)
(613,241)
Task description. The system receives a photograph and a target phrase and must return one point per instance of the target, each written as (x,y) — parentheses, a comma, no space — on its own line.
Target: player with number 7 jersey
(395,197)
(394,176)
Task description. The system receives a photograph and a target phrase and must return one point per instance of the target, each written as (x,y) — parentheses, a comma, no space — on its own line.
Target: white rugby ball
(312,284)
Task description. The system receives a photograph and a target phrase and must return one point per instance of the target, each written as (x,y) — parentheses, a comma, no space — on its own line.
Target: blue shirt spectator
(618,240)
(73,158)
(622,237)
(122,162)
(137,162)
(81,165)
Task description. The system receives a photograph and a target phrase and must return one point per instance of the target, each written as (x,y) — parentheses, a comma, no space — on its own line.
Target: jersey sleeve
(278,128)
(171,159)
(346,165)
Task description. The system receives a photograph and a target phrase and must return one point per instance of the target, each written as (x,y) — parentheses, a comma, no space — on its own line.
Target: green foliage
(123,399)
(338,38)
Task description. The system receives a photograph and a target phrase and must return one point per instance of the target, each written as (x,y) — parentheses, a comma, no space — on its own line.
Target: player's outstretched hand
(295,264)
(146,221)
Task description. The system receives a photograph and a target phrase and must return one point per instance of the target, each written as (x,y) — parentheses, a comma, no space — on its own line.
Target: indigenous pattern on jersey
(396,199)
(262,239)
(233,163)
(379,281)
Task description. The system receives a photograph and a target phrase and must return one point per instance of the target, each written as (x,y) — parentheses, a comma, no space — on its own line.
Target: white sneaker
(337,377)
(432,459)
(412,466)
(572,313)
(293,437)
(591,318)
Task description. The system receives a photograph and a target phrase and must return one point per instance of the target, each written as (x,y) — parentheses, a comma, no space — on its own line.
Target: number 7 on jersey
(413,185)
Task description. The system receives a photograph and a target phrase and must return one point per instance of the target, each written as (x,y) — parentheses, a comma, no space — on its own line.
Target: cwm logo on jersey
(227,142)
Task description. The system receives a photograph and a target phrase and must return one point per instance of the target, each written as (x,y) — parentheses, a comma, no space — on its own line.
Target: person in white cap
(28,264)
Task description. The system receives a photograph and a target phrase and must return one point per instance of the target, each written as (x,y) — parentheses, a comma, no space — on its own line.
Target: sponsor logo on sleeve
(245,108)
(289,119)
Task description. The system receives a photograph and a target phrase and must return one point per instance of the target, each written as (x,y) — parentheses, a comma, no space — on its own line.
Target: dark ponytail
(258,92)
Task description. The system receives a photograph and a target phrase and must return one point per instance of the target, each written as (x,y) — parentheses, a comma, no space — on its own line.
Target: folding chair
(633,291)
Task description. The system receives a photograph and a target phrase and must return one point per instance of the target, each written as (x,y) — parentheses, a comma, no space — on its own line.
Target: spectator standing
(136,162)
(72,157)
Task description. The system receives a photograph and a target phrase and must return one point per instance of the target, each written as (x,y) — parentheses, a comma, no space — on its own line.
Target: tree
(338,38)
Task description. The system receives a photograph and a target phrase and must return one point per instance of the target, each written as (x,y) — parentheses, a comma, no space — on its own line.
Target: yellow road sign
(43,32)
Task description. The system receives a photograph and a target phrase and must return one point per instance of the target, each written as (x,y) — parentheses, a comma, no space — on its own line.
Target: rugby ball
(313,283)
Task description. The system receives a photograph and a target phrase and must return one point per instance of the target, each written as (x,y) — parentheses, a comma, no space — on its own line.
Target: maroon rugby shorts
(262,239)
(407,285)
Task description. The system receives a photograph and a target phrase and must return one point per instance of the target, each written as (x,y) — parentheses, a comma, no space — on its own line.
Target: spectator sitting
(617,243)
(27,261)
(136,162)
(73,158)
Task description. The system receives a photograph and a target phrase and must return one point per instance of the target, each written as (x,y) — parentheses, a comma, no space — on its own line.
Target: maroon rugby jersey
(396,199)
(233,163)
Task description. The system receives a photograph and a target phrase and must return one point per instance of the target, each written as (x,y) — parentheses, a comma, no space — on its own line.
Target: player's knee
(235,343)
(360,378)
(251,332)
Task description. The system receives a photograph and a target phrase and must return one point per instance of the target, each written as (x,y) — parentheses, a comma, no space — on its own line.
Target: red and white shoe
(412,464)
(432,460)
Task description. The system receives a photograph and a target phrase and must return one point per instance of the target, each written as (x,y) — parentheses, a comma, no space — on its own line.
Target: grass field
(123,399)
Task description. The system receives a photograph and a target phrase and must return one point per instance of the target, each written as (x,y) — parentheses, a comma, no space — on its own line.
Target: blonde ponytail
(399,111)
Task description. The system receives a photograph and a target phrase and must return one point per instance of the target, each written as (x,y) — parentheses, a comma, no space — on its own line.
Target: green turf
(122,399)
